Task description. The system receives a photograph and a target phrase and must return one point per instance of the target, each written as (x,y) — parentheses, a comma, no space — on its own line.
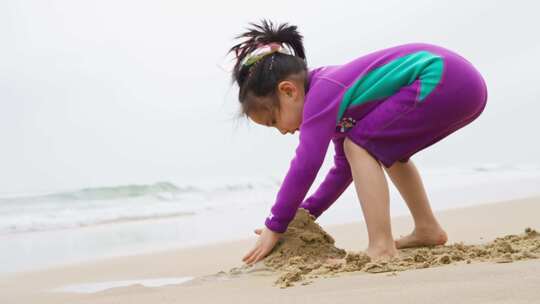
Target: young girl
(379,109)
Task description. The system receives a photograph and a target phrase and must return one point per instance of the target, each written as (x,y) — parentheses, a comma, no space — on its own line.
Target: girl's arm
(316,132)
(335,183)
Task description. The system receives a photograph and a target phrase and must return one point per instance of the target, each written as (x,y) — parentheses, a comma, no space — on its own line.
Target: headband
(264,50)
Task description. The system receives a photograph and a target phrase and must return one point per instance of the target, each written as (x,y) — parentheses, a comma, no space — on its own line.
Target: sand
(307,252)
(490,237)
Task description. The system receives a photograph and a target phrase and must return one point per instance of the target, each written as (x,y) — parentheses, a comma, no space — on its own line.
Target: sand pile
(306,252)
(304,242)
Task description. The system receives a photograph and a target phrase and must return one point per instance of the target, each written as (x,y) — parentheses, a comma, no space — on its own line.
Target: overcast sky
(115,92)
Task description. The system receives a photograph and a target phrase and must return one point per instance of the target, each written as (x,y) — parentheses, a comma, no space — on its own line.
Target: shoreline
(470,225)
(163,248)
(345,239)
(447,189)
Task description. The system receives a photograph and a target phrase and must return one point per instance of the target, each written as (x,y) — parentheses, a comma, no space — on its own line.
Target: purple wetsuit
(393,103)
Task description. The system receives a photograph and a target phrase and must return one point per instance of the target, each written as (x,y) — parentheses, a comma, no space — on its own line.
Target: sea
(42,230)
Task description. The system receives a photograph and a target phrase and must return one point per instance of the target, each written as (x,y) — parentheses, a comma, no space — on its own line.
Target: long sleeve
(335,183)
(316,132)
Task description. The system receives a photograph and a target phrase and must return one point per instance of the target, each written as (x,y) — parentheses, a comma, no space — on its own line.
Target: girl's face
(288,117)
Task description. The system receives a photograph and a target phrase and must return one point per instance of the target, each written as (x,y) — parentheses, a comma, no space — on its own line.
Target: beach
(132,172)
(194,273)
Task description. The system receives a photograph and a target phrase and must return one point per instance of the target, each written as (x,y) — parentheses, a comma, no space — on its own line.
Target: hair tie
(263,51)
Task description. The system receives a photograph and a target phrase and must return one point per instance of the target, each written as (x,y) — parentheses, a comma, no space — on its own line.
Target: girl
(379,109)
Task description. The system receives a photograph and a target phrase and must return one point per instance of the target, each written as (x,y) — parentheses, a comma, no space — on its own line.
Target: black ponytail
(262,78)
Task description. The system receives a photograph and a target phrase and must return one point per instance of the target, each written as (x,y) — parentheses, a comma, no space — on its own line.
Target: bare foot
(423,237)
(381,253)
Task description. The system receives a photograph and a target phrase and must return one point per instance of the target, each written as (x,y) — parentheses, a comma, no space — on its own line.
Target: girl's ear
(287,87)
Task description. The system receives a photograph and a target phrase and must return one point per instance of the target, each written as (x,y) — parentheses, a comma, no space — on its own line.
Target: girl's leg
(427,230)
(372,191)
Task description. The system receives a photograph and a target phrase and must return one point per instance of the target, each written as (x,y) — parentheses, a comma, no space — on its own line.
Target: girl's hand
(267,240)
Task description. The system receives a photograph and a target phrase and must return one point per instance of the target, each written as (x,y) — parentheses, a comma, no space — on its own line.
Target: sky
(96,93)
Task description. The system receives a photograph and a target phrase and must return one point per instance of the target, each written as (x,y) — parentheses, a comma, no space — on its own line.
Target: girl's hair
(261,78)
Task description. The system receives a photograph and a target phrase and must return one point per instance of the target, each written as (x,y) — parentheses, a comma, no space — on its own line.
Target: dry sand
(502,268)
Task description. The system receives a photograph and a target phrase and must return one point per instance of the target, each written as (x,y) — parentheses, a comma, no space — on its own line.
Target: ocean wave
(126,203)
(162,191)
(159,190)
